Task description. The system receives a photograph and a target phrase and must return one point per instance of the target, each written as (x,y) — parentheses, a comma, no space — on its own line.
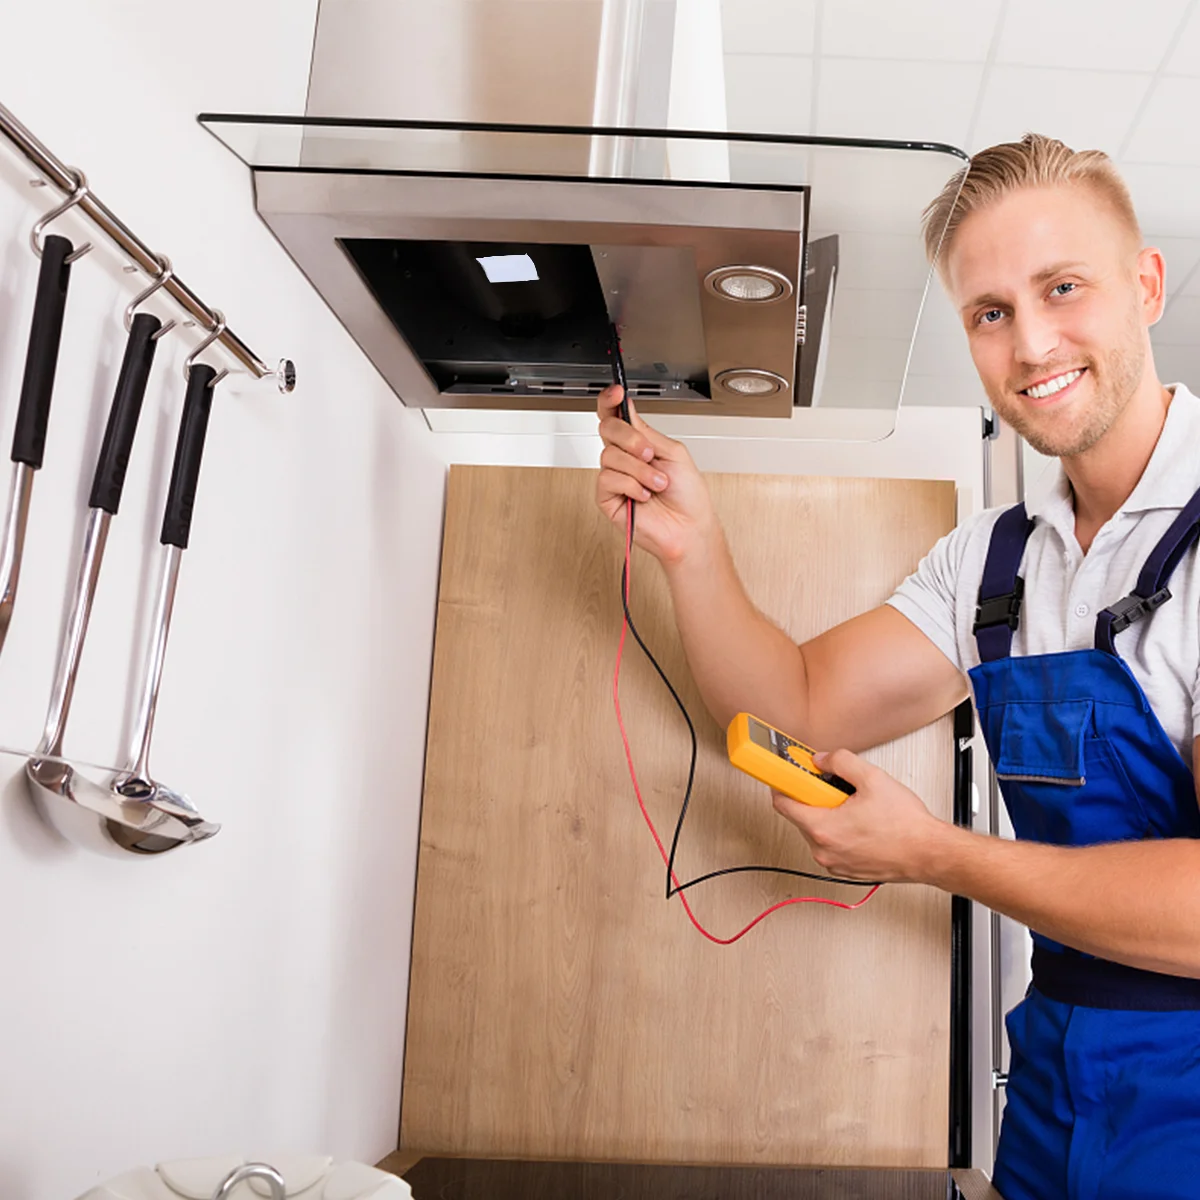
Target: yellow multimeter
(783,763)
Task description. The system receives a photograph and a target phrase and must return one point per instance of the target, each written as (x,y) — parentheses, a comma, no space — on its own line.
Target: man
(1088,698)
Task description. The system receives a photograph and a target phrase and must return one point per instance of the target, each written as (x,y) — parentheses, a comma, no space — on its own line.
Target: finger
(615,432)
(614,484)
(609,400)
(849,766)
(664,447)
(805,817)
(613,458)
(642,440)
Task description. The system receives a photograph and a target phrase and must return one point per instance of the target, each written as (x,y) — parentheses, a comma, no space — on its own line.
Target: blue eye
(1058,289)
(990,317)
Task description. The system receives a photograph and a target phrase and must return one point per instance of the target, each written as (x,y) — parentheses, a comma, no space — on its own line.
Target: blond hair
(1034,161)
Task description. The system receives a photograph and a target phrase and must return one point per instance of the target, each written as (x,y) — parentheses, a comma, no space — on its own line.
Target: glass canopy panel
(866,277)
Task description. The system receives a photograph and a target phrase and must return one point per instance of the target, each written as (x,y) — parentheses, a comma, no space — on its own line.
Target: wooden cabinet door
(560,1006)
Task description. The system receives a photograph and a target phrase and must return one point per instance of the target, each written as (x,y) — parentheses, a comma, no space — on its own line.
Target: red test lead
(678,890)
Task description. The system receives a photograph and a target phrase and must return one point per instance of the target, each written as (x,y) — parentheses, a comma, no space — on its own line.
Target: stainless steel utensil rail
(65,180)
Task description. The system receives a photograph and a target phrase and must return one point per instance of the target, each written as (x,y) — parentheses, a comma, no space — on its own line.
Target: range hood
(479,265)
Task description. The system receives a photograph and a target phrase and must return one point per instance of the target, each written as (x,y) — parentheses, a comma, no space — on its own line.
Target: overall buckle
(1134,607)
(1001,610)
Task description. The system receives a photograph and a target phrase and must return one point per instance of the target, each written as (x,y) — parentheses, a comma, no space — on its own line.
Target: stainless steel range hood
(478,265)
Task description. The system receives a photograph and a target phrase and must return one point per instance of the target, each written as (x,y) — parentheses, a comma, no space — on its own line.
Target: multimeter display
(783,763)
(768,738)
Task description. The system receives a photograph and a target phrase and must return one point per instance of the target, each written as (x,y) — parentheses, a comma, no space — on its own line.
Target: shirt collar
(1171,477)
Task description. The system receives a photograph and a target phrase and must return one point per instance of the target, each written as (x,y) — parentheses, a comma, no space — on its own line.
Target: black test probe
(620,380)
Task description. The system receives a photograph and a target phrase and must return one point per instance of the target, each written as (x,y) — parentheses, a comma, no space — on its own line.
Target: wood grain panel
(559,1005)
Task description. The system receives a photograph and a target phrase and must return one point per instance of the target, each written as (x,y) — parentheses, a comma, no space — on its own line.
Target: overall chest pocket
(1043,743)
(1062,781)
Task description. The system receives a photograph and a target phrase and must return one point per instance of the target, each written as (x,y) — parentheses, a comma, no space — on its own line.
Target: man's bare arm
(862,683)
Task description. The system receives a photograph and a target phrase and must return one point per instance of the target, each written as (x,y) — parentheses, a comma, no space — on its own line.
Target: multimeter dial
(794,752)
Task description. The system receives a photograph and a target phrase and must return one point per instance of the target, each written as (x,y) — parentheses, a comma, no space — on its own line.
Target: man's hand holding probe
(675,513)
(744,663)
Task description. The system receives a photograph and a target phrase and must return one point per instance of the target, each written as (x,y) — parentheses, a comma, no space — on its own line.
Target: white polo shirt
(1065,589)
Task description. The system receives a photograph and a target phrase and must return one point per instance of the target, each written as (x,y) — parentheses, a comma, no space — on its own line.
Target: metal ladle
(177,821)
(148,820)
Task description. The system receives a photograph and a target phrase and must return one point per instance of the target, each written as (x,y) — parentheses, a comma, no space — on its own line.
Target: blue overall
(1103,1095)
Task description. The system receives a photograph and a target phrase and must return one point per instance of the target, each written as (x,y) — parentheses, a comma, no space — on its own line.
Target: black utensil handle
(117,446)
(33,413)
(189,448)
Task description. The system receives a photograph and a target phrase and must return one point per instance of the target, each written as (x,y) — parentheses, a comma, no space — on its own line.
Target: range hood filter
(475,328)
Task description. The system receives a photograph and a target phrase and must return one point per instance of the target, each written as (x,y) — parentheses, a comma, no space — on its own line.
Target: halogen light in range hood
(754,285)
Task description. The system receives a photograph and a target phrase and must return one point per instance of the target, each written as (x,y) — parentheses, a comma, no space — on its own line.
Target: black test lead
(674,887)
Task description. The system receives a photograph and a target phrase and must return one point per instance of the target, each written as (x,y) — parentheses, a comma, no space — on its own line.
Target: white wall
(247,994)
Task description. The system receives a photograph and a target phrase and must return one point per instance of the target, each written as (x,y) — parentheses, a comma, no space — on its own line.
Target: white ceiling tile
(882,260)
(897,313)
(1089,110)
(889,314)
(940,318)
(866,359)
(1169,131)
(860,393)
(945,30)
(769,26)
(1103,35)
(765,162)
(1185,60)
(939,391)
(945,356)
(1182,255)
(875,191)
(1165,198)
(1179,364)
(883,99)
(1180,324)
(768,93)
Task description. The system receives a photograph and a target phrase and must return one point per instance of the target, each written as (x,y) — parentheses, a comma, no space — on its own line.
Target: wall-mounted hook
(165,271)
(285,376)
(80,191)
(217,330)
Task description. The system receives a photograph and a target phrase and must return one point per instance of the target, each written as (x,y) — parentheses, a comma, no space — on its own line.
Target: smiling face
(1057,301)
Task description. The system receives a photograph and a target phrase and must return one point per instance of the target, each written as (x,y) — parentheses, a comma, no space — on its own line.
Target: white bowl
(305,1178)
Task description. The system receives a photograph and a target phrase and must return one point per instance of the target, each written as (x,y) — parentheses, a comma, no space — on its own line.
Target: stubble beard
(1114,384)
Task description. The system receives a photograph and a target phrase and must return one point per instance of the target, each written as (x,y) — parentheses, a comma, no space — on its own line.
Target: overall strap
(1151,591)
(1001,589)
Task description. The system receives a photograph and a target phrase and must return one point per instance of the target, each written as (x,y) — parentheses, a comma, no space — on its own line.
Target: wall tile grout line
(1183,284)
(986,61)
(989,62)
(1159,75)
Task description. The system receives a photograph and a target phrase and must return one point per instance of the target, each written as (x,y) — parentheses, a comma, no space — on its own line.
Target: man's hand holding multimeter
(886,833)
